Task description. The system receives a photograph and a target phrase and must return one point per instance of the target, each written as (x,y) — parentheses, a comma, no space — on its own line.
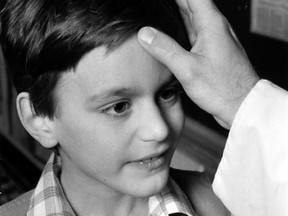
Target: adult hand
(216,73)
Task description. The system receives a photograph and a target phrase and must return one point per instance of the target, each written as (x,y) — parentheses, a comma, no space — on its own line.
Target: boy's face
(119,120)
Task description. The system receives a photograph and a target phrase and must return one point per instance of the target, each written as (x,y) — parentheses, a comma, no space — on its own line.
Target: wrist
(227,116)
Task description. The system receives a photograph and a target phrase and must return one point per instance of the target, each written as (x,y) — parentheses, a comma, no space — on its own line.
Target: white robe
(252,177)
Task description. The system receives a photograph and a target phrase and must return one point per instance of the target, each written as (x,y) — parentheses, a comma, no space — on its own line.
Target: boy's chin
(152,185)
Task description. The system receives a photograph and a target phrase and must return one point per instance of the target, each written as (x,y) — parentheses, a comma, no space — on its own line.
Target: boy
(111,113)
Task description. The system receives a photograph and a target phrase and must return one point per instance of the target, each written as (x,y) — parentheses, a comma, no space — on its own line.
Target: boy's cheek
(179,120)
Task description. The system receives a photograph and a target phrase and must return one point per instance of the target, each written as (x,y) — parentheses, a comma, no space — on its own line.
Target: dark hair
(43,38)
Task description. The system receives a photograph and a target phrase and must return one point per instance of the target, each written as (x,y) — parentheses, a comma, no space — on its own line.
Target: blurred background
(202,143)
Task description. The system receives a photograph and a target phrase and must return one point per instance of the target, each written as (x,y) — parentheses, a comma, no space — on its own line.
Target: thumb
(166,50)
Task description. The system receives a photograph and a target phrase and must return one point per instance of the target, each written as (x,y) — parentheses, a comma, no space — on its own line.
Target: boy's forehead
(124,68)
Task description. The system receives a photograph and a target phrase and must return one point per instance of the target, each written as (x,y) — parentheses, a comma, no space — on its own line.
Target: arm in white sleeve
(252,177)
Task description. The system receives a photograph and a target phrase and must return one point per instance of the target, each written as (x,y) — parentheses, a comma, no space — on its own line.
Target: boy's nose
(153,125)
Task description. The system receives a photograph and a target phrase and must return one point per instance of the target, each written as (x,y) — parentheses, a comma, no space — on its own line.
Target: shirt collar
(49,198)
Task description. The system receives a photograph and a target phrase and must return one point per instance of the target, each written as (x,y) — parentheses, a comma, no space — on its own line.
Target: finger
(202,11)
(195,6)
(187,17)
(167,51)
(189,27)
(182,4)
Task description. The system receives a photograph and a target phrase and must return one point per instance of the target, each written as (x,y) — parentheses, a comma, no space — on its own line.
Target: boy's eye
(167,94)
(170,94)
(117,109)
(120,107)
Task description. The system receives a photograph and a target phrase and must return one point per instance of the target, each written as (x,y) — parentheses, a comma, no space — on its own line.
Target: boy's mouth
(151,162)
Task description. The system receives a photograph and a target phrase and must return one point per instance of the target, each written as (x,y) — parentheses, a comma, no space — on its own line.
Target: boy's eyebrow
(123,91)
(113,92)
(171,80)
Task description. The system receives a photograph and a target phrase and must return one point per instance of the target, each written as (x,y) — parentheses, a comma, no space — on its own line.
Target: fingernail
(147,34)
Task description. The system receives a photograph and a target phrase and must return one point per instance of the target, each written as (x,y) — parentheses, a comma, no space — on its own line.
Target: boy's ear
(39,127)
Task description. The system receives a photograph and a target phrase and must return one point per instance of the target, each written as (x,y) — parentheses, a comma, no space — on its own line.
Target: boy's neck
(98,200)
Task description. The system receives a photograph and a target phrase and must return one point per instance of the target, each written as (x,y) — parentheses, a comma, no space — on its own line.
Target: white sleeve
(252,177)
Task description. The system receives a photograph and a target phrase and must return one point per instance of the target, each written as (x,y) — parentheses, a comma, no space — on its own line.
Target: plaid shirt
(48,198)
